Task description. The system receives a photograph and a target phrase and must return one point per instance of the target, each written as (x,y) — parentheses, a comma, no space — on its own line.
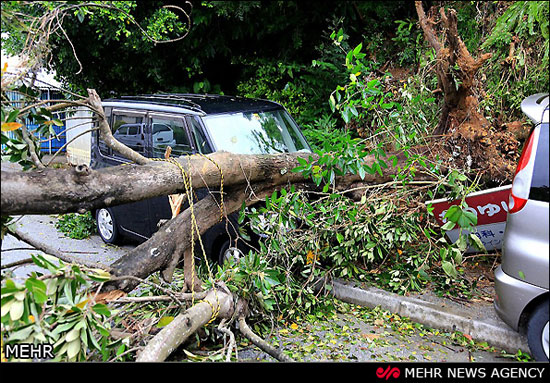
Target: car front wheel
(537,333)
(228,252)
(106,225)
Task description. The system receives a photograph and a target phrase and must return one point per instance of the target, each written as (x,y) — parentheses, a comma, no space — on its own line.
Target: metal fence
(52,143)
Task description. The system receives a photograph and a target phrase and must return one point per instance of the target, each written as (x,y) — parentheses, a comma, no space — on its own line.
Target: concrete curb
(436,315)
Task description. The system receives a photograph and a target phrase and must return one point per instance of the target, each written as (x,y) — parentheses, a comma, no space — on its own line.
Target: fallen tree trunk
(47,191)
(156,253)
(246,178)
(216,304)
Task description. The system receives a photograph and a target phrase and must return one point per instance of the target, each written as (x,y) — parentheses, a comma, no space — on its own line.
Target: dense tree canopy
(228,44)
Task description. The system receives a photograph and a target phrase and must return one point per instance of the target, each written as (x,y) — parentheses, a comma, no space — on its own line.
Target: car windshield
(255,133)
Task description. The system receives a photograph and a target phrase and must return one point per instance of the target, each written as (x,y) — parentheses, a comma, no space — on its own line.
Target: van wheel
(537,333)
(106,226)
(229,252)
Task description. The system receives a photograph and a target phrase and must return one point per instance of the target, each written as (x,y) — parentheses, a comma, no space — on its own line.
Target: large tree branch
(105,130)
(79,189)
(50,250)
(428,30)
(217,304)
(156,254)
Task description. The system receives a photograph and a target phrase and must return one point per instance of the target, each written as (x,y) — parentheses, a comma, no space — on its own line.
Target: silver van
(521,281)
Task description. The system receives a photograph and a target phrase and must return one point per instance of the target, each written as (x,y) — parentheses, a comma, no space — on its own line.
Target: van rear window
(540,188)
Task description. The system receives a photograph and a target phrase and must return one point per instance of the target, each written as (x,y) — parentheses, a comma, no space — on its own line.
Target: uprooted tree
(458,80)
(248,179)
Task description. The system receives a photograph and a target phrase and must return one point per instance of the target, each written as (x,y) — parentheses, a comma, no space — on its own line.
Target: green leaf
(74,348)
(353,111)
(462,243)
(92,339)
(101,309)
(99,275)
(361,172)
(121,349)
(332,102)
(5,309)
(448,226)
(63,327)
(453,213)
(469,218)
(16,310)
(68,291)
(20,334)
(37,288)
(165,321)
(13,115)
(477,242)
(80,14)
(72,335)
(449,268)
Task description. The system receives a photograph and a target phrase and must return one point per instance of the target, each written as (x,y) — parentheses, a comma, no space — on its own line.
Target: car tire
(107,226)
(227,251)
(537,333)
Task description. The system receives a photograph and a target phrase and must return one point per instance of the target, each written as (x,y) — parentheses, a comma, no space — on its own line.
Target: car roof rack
(202,103)
(173,98)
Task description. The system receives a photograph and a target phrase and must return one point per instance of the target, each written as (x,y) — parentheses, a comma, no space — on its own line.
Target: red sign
(490,206)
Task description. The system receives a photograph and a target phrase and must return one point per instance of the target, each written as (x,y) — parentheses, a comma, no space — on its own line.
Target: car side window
(126,127)
(540,188)
(169,131)
(201,143)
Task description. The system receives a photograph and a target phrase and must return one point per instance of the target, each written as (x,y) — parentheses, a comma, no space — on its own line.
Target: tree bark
(156,254)
(78,189)
(185,324)
(458,86)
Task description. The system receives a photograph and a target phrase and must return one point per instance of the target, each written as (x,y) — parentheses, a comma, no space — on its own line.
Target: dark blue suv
(188,124)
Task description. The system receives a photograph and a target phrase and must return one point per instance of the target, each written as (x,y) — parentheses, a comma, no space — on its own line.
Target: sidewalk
(59,159)
(479,320)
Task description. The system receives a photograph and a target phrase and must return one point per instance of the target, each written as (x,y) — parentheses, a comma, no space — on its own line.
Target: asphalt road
(42,227)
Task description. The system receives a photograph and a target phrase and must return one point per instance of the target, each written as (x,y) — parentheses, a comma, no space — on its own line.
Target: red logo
(388,372)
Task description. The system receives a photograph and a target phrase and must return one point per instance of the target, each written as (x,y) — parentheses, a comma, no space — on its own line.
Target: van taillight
(524,172)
